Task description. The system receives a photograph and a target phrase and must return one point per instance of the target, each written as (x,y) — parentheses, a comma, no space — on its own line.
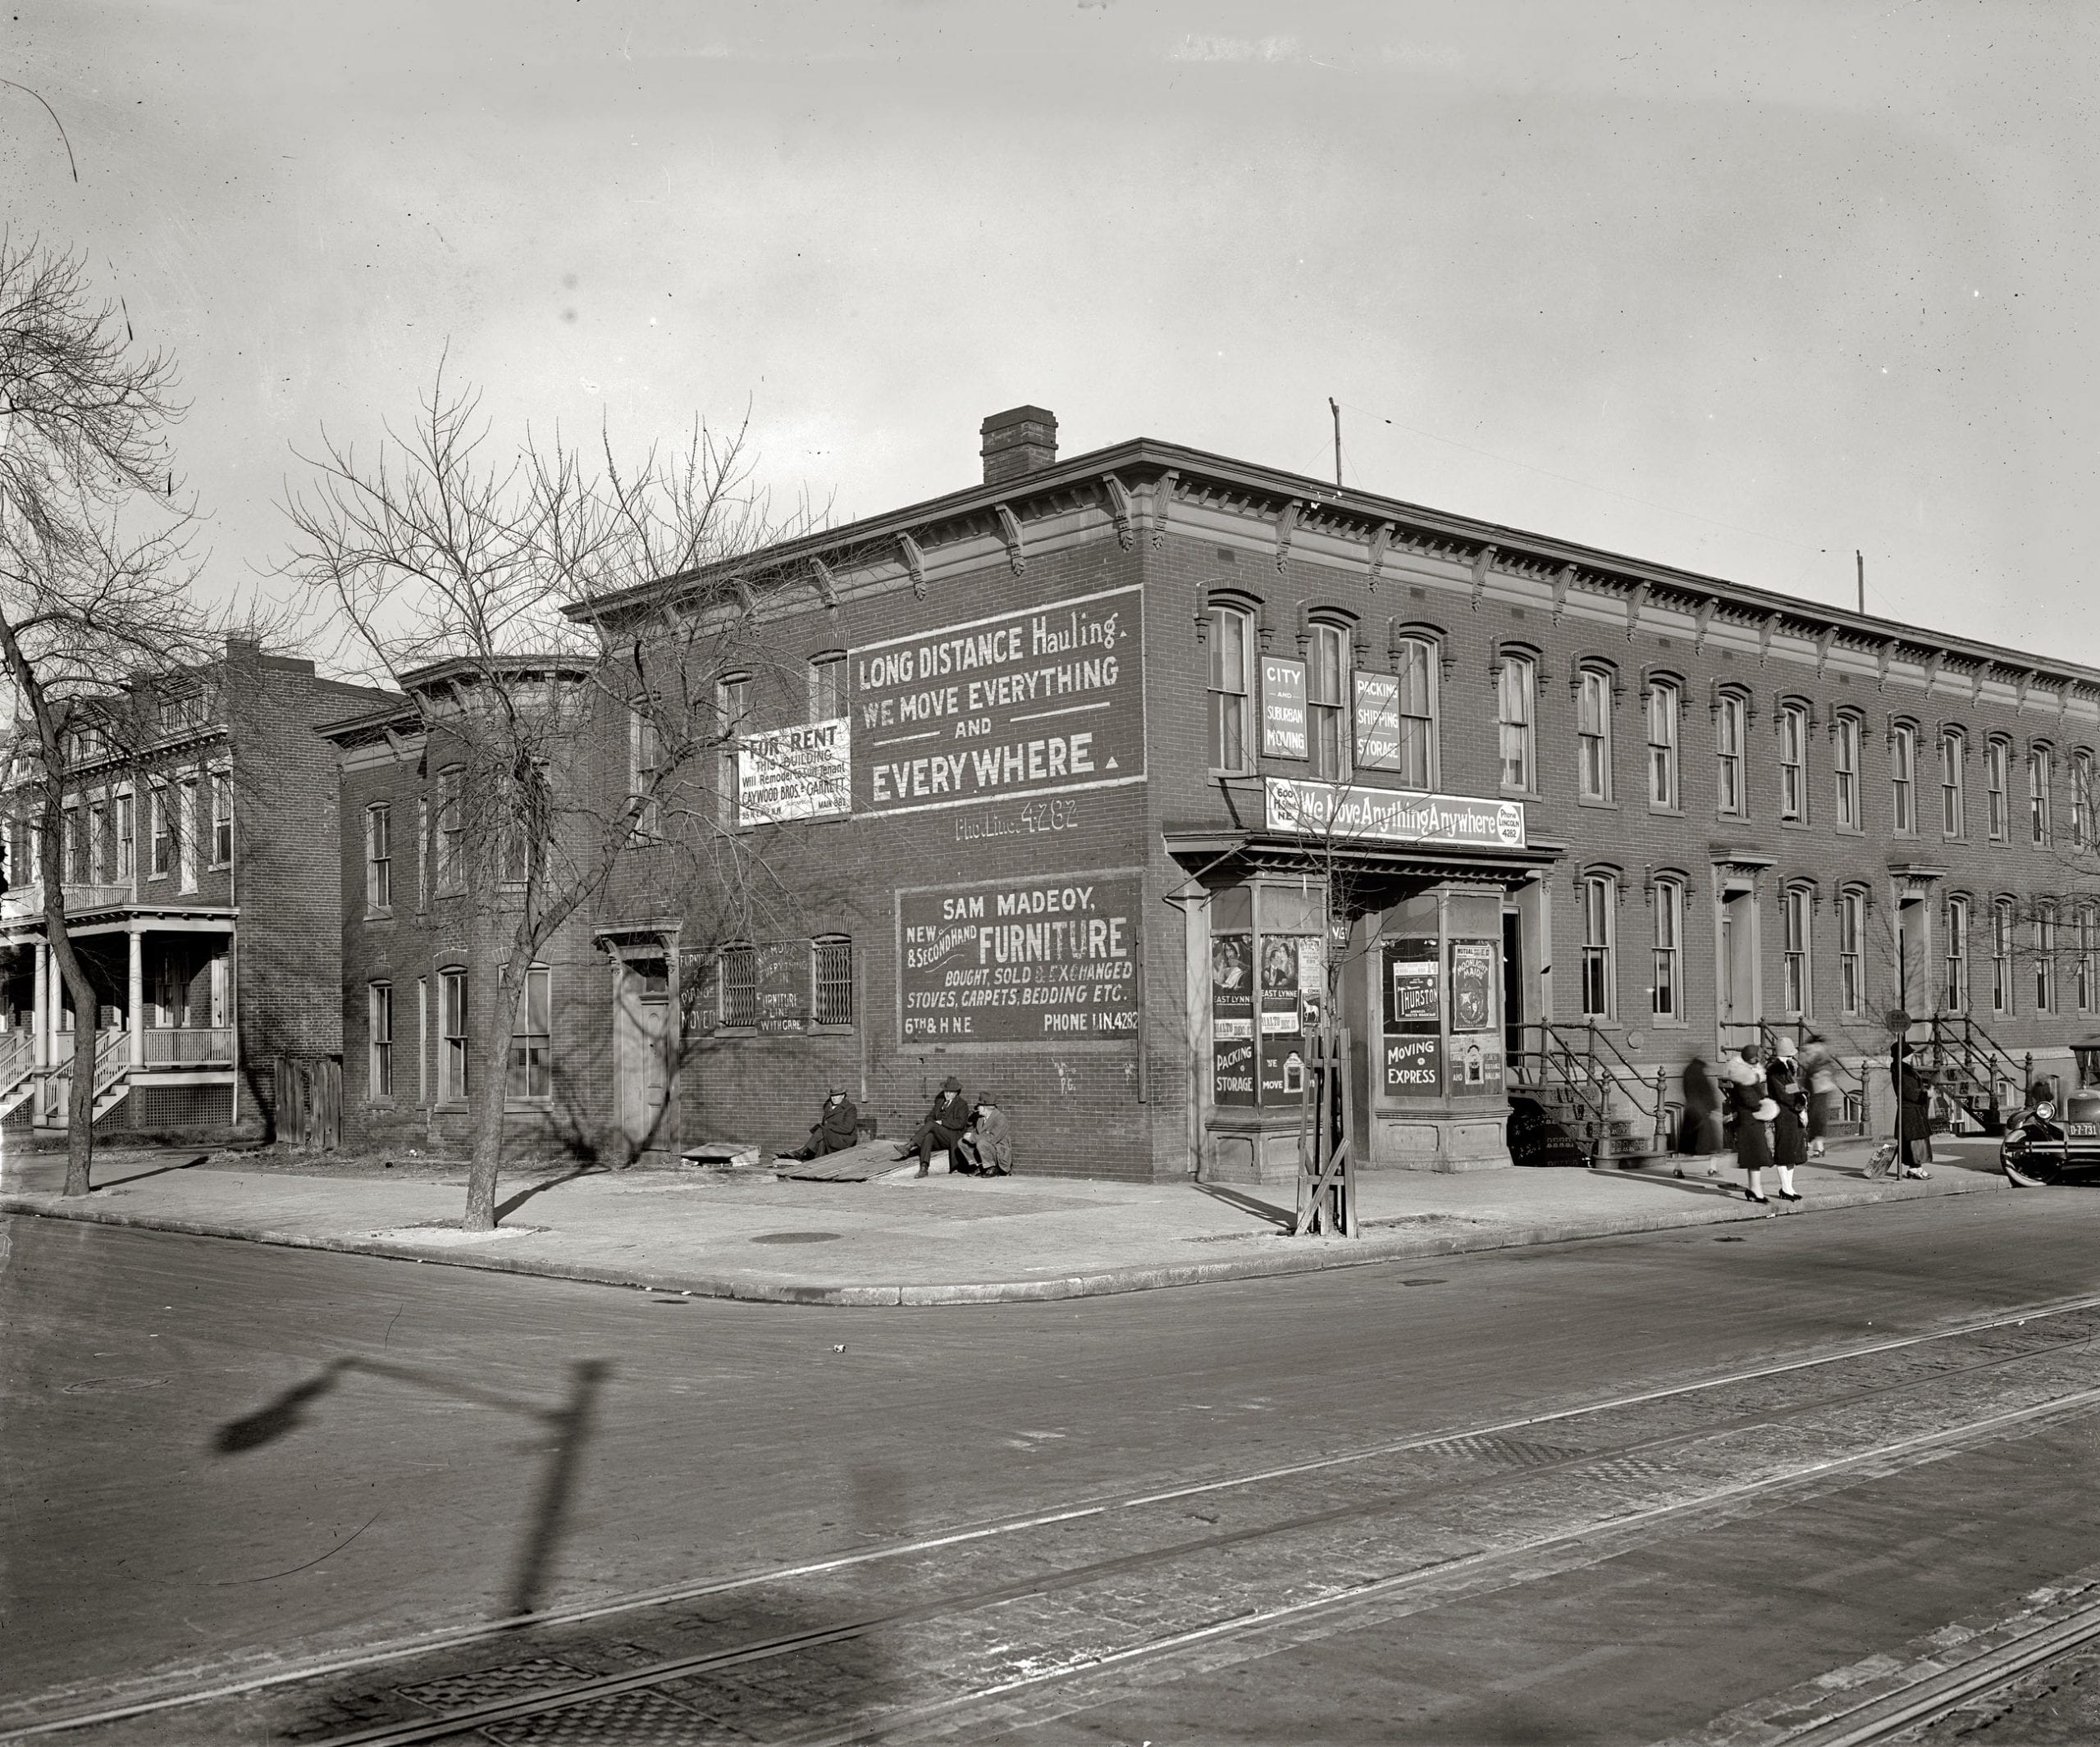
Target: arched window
(2081,798)
(1845,737)
(2045,955)
(2041,772)
(1796,904)
(1851,940)
(1593,733)
(2001,955)
(1997,761)
(1598,894)
(1902,778)
(1954,997)
(1516,692)
(1667,999)
(1793,761)
(1326,700)
(1415,665)
(1665,711)
(1953,802)
(1731,730)
(1231,639)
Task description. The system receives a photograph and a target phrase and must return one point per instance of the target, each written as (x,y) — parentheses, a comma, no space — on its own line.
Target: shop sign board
(784,986)
(794,774)
(1283,708)
(1377,722)
(1040,700)
(1327,809)
(1415,1066)
(1048,958)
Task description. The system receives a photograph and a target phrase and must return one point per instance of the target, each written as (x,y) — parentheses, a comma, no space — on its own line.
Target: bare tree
(95,562)
(494,587)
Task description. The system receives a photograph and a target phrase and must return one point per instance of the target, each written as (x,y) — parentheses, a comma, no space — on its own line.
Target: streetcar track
(1083,1509)
(436,1729)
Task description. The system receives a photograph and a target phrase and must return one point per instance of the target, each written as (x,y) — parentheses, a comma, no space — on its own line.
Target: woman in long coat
(1753,1112)
(1914,1113)
(1783,1085)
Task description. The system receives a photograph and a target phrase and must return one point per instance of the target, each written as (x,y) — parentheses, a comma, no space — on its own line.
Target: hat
(1766,1110)
(950,1084)
(1786,1049)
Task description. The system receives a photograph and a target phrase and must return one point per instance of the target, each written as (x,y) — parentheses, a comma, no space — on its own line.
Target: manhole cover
(797,1237)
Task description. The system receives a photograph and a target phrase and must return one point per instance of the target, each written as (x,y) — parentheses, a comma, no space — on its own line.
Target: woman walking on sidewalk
(1753,1112)
(1818,1067)
(1783,1086)
(1913,1114)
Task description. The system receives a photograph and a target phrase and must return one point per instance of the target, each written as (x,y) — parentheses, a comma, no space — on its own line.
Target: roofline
(1148,456)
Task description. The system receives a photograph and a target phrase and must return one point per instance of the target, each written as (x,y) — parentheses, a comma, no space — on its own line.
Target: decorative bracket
(1483,562)
(1824,638)
(1121,511)
(1933,663)
(1287,525)
(746,598)
(1976,686)
(2026,684)
(1882,666)
(1703,619)
(1162,501)
(915,561)
(1764,636)
(1634,603)
(400,746)
(1378,542)
(1009,531)
(827,584)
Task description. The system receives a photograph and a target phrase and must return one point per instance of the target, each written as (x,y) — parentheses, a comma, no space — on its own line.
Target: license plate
(2083,1130)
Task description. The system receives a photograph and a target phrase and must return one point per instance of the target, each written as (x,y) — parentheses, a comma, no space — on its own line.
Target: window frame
(1328,742)
(379,858)
(1848,740)
(728,989)
(1797,948)
(379,1041)
(1597,903)
(1998,788)
(2081,797)
(827,676)
(831,982)
(1664,718)
(1793,729)
(160,862)
(1593,748)
(1959,923)
(2086,923)
(1226,704)
(220,786)
(449,876)
(1418,730)
(1903,779)
(1851,951)
(1953,784)
(1666,995)
(2041,783)
(454,1059)
(1516,685)
(2043,926)
(732,708)
(1731,753)
(2002,948)
(535,1045)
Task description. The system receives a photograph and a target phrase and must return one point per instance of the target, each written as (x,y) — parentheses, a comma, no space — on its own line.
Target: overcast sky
(1735,287)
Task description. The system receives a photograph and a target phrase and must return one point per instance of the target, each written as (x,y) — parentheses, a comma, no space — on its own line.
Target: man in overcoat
(942,1130)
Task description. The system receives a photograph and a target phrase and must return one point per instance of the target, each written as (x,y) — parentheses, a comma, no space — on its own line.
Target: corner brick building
(198,861)
(1096,781)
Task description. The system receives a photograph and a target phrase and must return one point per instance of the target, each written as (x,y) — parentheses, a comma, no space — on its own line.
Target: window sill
(1601,805)
(1505,792)
(1795,824)
(1656,812)
(844,1030)
(384,914)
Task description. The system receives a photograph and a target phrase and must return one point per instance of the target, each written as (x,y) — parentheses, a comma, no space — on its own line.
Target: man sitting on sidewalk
(835,1130)
(988,1142)
(942,1130)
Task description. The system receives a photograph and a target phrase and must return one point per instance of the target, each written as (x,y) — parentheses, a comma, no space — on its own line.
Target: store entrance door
(1513,986)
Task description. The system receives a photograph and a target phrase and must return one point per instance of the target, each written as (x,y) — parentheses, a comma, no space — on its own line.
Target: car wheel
(2032,1173)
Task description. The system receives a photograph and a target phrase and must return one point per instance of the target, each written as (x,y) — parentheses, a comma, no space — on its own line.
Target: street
(1628,1489)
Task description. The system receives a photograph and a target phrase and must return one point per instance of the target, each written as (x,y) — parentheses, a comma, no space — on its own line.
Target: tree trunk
(81,1103)
(485,1116)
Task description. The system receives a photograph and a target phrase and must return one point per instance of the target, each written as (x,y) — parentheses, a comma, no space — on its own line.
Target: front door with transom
(642,1012)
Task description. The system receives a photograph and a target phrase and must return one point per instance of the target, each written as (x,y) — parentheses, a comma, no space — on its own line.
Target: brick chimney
(1020,441)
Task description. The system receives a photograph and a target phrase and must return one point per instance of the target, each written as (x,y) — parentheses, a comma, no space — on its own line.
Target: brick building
(198,860)
(1094,780)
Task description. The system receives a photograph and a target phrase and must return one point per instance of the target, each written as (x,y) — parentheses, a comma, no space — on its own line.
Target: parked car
(2052,1140)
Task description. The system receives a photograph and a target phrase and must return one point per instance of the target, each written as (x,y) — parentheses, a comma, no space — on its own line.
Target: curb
(1317,1255)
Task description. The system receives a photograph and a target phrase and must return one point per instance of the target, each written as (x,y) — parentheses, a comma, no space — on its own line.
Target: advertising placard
(1382,815)
(784,986)
(1232,1019)
(794,773)
(1377,722)
(1411,983)
(1414,1067)
(1472,985)
(1036,700)
(1283,708)
(1049,958)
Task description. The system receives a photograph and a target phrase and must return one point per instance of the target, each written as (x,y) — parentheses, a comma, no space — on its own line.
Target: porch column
(136,989)
(40,1020)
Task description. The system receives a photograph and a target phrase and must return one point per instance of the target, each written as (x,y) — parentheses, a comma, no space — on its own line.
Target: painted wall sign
(794,773)
(1393,816)
(1414,1067)
(1377,722)
(1283,708)
(784,986)
(1045,960)
(1036,700)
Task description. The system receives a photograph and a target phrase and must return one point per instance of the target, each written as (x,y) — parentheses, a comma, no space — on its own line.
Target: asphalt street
(225,1463)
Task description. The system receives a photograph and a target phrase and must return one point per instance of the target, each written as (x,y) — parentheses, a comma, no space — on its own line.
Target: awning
(1222,856)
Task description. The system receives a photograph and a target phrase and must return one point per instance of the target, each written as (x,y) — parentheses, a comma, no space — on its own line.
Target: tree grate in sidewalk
(511,1680)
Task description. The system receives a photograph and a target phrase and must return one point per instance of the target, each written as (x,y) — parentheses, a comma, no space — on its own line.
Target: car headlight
(2044,1111)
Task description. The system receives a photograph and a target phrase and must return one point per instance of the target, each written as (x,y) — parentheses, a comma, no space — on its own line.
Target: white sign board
(1387,815)
(794,773)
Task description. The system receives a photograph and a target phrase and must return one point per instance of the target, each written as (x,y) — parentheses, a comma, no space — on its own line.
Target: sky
(1741,288)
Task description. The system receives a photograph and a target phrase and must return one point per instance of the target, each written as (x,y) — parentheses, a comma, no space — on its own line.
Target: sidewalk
(945,1240)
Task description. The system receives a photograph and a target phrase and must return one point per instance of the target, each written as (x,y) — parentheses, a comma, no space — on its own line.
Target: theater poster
(1233,1043)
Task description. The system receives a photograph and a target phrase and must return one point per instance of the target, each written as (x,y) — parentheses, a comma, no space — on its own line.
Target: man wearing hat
(835,1130)
(943,1128)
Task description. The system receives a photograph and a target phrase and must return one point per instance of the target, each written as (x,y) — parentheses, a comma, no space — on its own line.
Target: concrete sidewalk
(945,1240)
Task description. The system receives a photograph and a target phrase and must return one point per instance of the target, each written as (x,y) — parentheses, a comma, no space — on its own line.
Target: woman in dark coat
(1752,1111)
(1702,1113)
(1783,1085)
(1914,1113)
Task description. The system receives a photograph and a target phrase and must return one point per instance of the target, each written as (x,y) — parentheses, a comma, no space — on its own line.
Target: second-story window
(1667,1000)
(2040,772)
(77,847)
(126,841)
(1845,770)
(379,858)
(732,708)
(1416,709)
(1997,760)
(221,819)
(1327,701)
(451,831)
(1515,688)
(1231,661)
(162,863)
(644,759)
(1598,894)
(1902,779)
(1956,995)
(1793,762)
(1953,803)
(827,688)
(1730,729)
(1665,710)
(98,842)
(1593,734)
(2081,798)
